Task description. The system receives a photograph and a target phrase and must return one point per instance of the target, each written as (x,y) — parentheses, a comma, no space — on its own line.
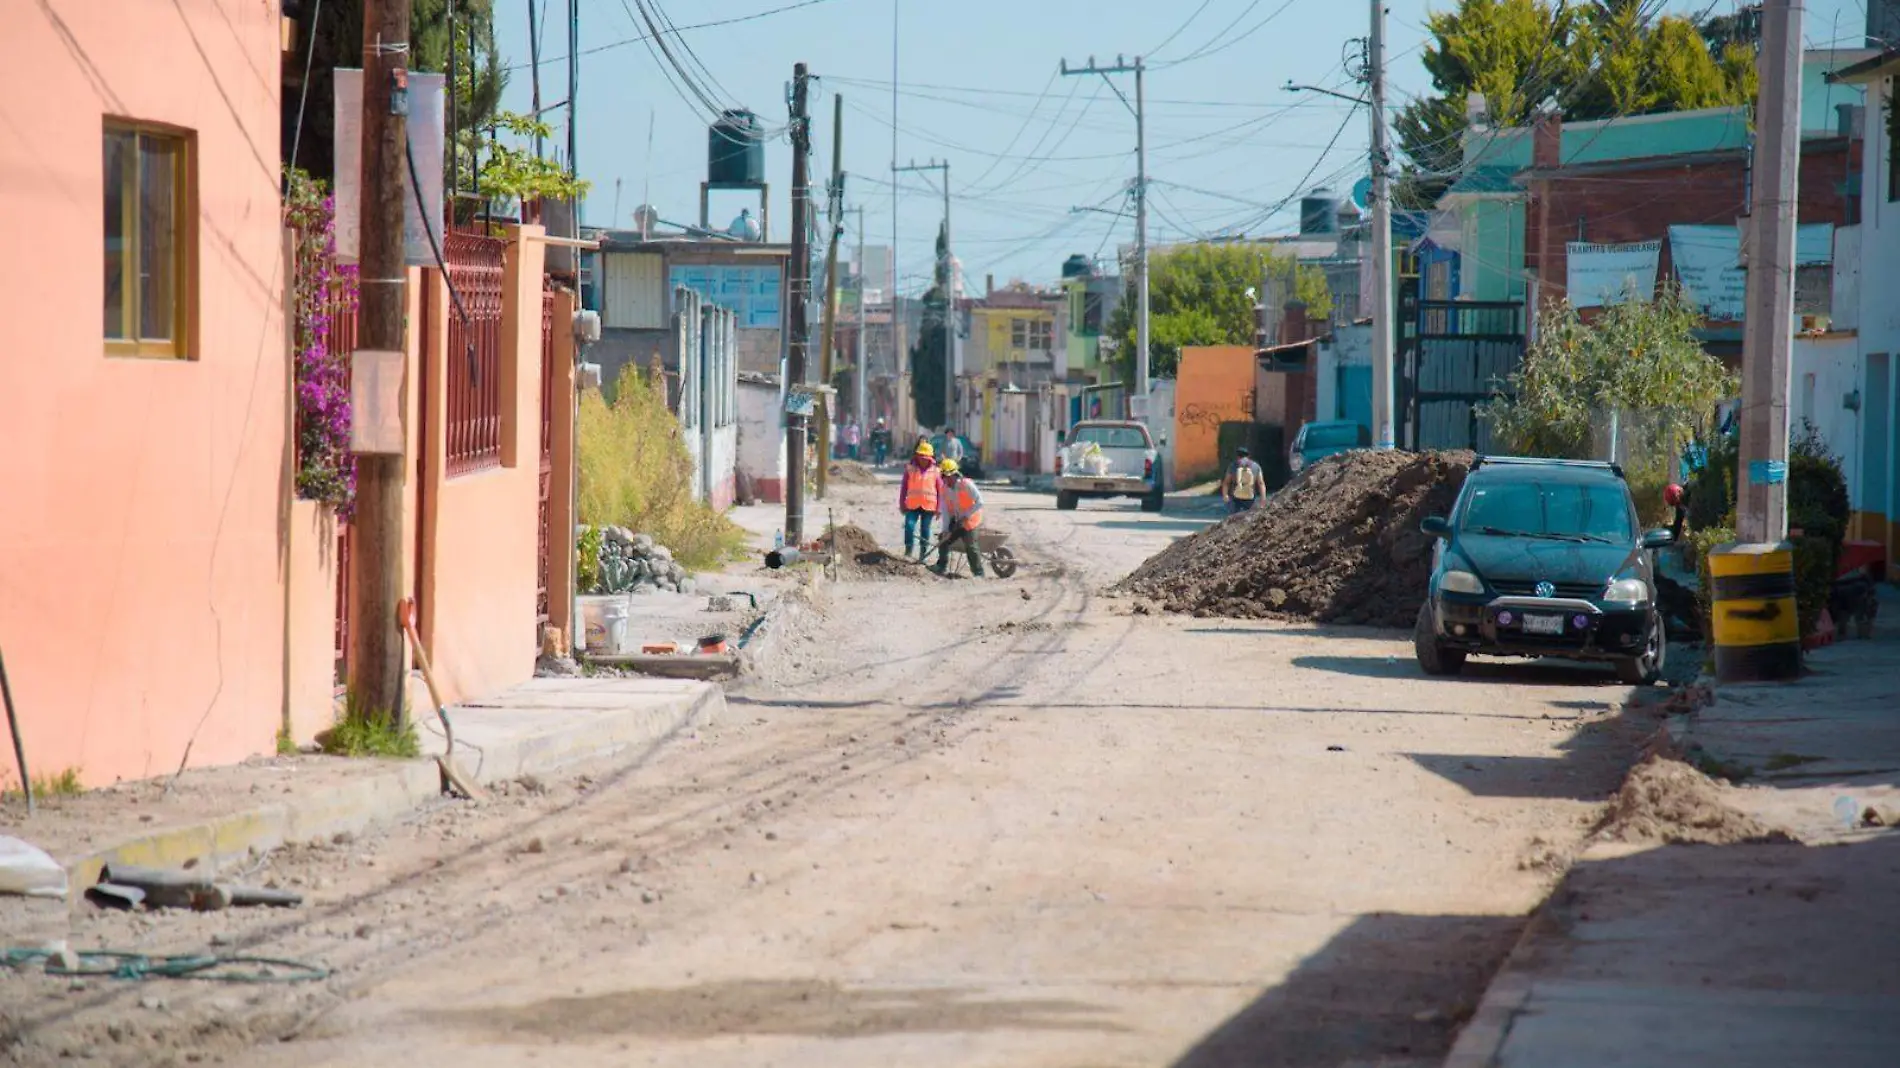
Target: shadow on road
(800,1007)
(1388,989)
(1476,671)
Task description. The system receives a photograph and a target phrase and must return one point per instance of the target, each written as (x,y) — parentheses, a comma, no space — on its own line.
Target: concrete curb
(397,789)
(1482,1039)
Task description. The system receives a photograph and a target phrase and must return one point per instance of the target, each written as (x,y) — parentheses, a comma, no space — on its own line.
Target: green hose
(113,964)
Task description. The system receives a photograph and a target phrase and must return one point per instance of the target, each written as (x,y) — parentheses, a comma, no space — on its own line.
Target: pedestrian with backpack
(1244,483)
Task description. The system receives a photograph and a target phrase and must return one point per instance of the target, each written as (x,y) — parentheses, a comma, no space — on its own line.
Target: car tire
(1065,501)
(1434,658)
(1154,500)
(1647,669)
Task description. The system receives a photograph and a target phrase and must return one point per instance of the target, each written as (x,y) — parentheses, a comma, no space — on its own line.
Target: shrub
(635,472)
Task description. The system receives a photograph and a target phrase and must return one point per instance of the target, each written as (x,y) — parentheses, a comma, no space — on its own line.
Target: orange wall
(1213,385)
(481,557)
(141,610)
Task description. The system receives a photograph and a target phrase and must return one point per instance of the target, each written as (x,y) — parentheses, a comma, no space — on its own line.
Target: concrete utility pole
(1141,205)
(534,70)
(798,291)
(1383,342)
(573,91)
(861,405)
(1761,514)
(949,303)
(834,211)
(377,671)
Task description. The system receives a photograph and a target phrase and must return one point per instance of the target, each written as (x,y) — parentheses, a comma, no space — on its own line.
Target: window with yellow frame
(149,262)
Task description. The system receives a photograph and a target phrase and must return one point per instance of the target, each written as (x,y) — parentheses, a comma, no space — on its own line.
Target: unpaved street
(949,823)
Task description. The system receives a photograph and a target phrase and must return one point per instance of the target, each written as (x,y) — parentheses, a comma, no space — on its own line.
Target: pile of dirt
(1340,544)
(860,556)
(851,473)
(1666,800)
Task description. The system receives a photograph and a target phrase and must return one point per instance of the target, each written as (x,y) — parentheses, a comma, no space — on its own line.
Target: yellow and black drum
(1757,633)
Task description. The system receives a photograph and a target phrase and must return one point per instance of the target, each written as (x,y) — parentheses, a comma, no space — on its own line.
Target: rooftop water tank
(1319,214)
(1076,266)
(735,150)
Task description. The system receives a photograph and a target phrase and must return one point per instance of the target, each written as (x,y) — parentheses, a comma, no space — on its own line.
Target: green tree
(338,42)
(1593,61)
(1197,295)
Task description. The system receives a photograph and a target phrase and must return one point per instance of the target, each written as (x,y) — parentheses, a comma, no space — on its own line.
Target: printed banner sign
(1708,261)
(1601,275)
(425,140)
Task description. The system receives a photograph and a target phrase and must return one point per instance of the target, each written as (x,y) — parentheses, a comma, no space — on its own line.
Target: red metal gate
(548,399)
(473,423)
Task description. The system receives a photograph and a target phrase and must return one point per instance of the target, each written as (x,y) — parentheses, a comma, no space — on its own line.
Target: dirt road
(950,823)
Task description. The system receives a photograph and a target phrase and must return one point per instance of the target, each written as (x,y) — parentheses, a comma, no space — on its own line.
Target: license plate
(1535,624)
(1104,485)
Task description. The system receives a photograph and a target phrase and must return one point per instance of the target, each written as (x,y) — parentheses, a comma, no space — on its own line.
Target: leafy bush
(636,473)
(587,568)
(1817,515)
(1635,357)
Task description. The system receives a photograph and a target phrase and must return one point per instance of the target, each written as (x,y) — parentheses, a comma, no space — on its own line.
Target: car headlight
(1460,582)
(1627,591)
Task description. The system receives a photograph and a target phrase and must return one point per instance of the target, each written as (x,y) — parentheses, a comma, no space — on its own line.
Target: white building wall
(1878,323)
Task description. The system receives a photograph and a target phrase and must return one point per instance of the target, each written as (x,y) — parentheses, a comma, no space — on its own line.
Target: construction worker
(919,495)
(881,442)
(1244,483)
(962,515)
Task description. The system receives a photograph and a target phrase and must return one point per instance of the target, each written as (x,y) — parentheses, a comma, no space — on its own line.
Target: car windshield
(1589,511)
(1111,437)
(1327,436)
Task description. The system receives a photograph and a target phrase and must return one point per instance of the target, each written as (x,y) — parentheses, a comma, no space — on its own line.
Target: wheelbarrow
(993,547)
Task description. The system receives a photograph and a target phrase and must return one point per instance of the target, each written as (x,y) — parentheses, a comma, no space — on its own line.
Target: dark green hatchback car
(1543,558)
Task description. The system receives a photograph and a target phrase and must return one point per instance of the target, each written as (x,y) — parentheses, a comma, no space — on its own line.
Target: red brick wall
(1641,204)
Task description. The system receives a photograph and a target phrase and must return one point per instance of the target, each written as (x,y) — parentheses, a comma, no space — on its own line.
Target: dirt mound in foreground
(860,556)
(1340,544)
(851,473)
(1666,800)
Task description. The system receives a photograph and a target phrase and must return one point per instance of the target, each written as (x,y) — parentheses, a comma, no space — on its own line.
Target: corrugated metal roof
(634,296)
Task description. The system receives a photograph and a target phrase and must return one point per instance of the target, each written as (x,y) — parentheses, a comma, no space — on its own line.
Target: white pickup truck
(1104,458)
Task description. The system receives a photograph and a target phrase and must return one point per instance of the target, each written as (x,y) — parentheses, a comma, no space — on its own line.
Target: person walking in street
(952,447)
(919,495)
(962,515)
(881,442)
(851,438)
(1244,483)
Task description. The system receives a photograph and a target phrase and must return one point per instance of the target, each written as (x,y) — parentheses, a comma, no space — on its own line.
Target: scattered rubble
(851,473)
(1340,544)
(860,556)
(1666,800)
(635,563)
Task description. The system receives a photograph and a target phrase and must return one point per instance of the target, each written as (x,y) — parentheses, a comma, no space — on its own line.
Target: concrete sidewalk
(1755,954)
(216,816)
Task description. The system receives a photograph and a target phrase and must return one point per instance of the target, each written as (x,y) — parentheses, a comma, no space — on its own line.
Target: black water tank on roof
(735,152)
(1077,266)
(1319,213)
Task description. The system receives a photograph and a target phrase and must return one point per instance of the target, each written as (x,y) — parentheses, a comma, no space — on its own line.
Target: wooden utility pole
(834,209)
(860,410)
(798,291)
(1761,514)
(376,662)
(1139,110)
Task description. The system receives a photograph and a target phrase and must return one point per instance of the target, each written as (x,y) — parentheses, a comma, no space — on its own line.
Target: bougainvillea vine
(324,295)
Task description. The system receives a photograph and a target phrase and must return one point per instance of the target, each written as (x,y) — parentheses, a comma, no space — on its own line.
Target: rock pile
(1340,544)
(636,563)
(859,555)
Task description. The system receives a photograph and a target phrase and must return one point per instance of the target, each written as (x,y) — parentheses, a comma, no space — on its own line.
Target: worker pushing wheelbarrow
(963,528)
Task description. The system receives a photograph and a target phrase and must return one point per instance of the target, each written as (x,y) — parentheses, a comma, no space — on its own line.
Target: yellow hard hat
(924,449)
(948,467)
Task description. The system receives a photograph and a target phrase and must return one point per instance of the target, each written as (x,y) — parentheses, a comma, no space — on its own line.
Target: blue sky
(978,86)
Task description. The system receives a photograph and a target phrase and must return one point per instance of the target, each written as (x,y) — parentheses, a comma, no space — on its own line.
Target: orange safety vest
(920,488)
(964,506)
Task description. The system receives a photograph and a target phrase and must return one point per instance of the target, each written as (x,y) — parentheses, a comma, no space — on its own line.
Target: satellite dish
(1362,193)
(645,218)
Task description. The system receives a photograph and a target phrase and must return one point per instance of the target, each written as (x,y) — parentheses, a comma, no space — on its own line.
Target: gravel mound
(851,473)
(860,556)
(1666,800)
(1339,544)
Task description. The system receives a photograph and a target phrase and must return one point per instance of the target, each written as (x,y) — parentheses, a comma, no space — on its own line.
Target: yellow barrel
(1757,633)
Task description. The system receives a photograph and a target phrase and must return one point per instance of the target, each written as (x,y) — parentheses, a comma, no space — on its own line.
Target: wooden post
(376,668)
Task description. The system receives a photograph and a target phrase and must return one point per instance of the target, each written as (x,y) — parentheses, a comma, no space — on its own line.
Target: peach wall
(310,620)
(481,555)
(1213,385)
(140,606)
